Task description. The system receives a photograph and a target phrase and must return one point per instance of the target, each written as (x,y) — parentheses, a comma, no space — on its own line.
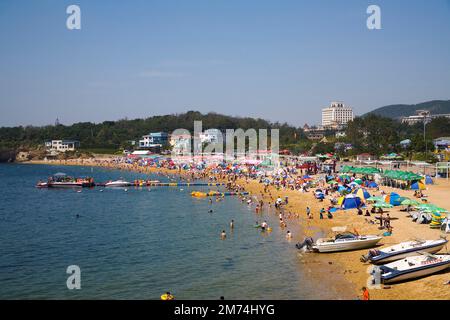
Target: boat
(345,242)
(118,183)
(42,184)
(412,267)
(61,180)
(403,250)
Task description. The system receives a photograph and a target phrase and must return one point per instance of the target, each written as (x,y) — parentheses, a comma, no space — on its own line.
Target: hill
(397,111)
(118,134)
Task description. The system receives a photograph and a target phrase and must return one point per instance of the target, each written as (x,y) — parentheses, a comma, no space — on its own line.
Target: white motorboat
(345,242)
(118,183)
(403,250)
(413,267)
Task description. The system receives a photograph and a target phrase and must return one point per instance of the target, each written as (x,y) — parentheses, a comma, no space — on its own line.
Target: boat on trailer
(413,267)
(403,250)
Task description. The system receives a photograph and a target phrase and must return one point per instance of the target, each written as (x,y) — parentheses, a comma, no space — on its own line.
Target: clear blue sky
(278,60)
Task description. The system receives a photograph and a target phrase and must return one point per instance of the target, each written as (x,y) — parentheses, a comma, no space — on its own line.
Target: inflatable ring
(166,296)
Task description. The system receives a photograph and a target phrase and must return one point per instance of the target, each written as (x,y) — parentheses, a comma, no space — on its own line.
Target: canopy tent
(402,175)
(365,170)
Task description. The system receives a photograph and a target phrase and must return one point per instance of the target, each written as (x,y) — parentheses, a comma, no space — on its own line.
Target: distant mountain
(397,111)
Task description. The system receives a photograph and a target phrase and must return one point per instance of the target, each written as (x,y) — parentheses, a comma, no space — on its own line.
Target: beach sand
(341,272)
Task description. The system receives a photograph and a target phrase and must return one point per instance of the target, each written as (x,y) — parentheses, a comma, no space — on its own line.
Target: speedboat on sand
(403,250)
(345,242)
(412,267)
(118,183)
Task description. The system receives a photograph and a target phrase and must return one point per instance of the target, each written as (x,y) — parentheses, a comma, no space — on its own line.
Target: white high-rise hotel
(337,114)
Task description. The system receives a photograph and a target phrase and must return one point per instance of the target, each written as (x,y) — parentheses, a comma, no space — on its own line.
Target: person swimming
(264,225)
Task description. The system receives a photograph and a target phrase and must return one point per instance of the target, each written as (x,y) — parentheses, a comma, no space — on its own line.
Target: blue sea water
(137,244)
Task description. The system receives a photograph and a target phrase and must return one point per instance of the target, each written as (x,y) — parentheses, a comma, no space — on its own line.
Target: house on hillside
(154,140)
(366,157)
(61,145)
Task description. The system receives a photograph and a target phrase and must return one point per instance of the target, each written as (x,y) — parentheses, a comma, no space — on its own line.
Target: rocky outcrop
(7,155)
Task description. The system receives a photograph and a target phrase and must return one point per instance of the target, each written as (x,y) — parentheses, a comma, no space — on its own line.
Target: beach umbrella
(382,205)
(332,182)
(358,181)
(375,199)
(409,202)
(438,209)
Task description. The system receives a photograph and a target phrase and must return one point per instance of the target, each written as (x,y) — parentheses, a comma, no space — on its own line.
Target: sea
(138,243)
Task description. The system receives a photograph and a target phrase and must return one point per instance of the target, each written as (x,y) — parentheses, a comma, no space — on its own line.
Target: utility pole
(426,116)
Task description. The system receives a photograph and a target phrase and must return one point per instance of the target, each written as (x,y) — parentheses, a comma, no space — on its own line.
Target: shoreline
(347,270)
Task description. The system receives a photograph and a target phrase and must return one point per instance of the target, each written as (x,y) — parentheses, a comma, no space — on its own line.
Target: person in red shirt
(365,295)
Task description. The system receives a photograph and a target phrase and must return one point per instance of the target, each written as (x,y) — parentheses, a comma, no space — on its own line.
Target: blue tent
(365,193)
(372,185)
(428,180)
(351,202)
(394,199)
(417,185)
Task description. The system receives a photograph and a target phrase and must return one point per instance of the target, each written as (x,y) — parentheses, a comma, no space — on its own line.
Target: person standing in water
(232,224)
(223,235)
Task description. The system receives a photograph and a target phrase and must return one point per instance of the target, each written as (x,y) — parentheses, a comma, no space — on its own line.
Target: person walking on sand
(308,212)
(365,294)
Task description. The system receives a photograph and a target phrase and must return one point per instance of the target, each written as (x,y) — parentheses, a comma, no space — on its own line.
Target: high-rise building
(337,114)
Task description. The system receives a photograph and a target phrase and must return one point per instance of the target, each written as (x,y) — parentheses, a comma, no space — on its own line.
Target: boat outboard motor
(370,254)
(307,243)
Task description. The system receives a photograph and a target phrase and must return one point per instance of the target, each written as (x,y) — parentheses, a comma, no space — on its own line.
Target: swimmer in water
(223,235)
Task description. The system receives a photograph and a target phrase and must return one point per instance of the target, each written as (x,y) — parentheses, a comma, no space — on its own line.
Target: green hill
(117,134)
(397,111)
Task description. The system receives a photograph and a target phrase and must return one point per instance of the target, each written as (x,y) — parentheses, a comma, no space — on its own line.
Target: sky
(279,60)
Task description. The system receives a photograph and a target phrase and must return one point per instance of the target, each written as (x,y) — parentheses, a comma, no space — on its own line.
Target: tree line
(372,133)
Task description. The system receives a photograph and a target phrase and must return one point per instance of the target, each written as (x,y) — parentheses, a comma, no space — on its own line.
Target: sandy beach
(346,268)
